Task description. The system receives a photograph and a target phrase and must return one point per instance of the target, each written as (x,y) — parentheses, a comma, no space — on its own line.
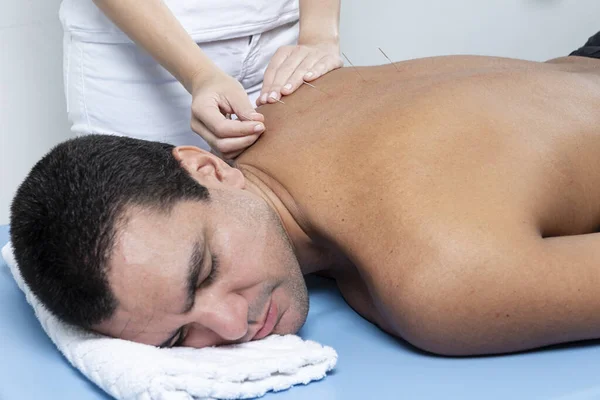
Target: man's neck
(294,223)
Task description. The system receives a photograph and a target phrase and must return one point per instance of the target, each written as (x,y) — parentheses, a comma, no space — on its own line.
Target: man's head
(151,243)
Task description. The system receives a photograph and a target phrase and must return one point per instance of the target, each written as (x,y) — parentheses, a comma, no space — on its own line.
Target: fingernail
(273,95)
(264,98)
(259,128)
(255,115)
(308,75)
(288,86)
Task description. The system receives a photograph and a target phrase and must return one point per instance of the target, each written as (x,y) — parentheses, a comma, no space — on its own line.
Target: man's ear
(206,168)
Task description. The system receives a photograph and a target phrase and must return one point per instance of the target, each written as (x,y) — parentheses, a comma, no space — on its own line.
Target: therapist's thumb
(242,107)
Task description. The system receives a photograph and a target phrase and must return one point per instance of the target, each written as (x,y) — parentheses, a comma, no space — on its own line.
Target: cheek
(243,246)
(253,245)
(293,319)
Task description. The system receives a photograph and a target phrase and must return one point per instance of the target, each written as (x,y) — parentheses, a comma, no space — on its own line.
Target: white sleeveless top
(204,20)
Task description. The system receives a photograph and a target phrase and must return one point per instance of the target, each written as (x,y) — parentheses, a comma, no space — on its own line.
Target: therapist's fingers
(276,61)
(217,124)
(296,79)
(213,101)
(239,103)
(233,147)
(229,137)
(285,72)
(228,147)
(323,66)
(226,97)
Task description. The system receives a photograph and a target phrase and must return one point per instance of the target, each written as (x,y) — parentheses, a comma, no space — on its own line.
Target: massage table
(371,365)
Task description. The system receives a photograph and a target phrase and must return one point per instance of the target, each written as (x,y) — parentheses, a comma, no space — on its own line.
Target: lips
(270,321)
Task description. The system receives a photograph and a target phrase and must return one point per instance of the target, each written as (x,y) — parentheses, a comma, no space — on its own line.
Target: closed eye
(174,341)
(180,338)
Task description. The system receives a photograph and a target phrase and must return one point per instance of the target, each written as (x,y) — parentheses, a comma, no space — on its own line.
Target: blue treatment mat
(371,364)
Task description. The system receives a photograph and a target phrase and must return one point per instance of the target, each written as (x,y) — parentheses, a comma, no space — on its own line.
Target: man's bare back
(455,200)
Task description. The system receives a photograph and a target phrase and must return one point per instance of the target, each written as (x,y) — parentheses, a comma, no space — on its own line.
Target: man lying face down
(456,202)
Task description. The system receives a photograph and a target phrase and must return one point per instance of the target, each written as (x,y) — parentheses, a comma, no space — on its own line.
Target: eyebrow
(193,273)
(194,270)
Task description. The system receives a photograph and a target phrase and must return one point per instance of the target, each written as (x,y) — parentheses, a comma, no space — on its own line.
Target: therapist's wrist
(200,75)
(309,37)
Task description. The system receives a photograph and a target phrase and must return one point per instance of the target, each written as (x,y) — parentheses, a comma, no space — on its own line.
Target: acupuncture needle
(355,69)
(391,62)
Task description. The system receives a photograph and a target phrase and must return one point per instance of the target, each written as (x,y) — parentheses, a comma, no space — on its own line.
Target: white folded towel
(129,370)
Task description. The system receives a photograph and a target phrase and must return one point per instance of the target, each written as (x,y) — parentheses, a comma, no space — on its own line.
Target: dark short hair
(65,214)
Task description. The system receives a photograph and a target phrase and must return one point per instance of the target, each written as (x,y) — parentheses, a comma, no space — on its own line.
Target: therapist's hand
(293,64)
(215,96)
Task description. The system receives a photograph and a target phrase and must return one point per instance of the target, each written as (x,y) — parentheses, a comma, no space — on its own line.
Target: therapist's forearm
(153,27)
(319,21)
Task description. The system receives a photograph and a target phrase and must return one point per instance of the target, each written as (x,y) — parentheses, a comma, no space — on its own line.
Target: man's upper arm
(523,293)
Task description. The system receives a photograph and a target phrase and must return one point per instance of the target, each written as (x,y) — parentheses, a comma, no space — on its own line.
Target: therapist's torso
(204,20)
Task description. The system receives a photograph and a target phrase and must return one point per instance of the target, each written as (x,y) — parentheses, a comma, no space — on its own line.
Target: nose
(227,317)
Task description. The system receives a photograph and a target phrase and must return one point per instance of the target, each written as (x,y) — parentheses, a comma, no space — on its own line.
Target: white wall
(528,29)
(32,111)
